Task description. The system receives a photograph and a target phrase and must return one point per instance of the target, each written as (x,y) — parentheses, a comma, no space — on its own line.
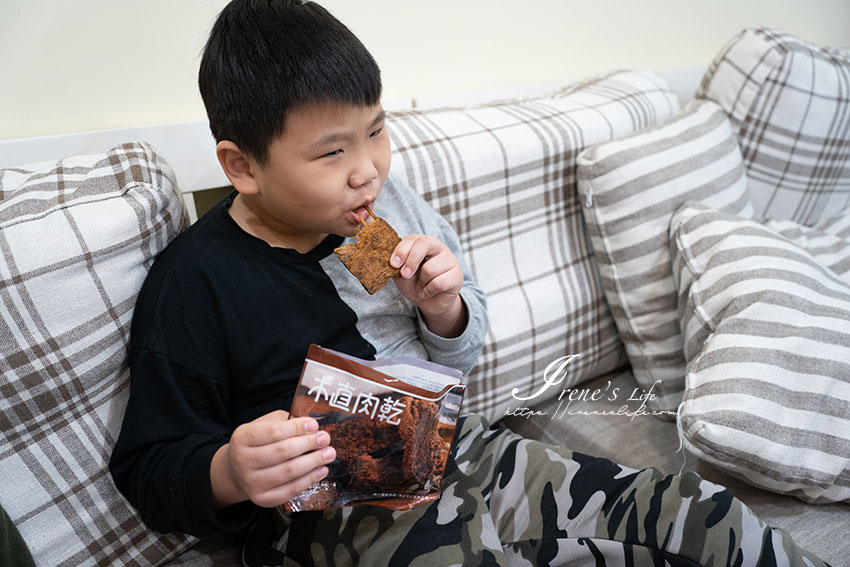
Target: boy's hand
(270,460)
(431,278)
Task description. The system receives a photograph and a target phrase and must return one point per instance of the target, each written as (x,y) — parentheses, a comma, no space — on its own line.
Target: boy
(225,317)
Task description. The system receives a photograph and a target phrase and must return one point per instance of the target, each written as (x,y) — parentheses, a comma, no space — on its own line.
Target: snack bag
(391,422)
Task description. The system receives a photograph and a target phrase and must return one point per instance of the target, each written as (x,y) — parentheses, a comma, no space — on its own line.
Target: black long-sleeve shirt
(219,336)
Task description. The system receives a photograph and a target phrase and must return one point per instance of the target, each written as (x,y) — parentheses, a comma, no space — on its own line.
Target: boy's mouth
(361,214)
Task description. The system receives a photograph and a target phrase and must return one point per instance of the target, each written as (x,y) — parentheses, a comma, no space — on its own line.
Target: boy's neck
(256,224)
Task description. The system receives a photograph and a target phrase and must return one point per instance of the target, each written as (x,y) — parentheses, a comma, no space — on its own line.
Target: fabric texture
(513,501)
(76,240)
(767,328)
(214,347)
(789,100)
(631,187)
(503,174)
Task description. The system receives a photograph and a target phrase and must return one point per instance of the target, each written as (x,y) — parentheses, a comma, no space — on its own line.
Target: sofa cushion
(790,102)
(631,188)
(504,175)
(828,241)
(767,328)
(603,422)
(76,240)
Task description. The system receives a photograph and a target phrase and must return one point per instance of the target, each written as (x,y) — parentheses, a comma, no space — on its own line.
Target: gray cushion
(631,186)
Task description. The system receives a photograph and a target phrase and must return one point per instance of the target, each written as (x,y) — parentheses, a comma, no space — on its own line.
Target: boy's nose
(366,173)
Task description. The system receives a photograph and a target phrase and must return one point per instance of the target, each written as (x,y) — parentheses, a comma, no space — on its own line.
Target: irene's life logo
(576,401)
(553,375)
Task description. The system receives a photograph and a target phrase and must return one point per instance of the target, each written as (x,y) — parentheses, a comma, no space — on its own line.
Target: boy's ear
(237,166)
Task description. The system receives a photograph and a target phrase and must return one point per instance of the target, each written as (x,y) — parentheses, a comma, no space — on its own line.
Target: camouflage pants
(508,500)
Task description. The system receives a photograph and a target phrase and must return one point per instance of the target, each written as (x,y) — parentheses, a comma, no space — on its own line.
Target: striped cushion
(504,175)
(76,240)
(767,326)
(631,188)
(827,241)
(790,103)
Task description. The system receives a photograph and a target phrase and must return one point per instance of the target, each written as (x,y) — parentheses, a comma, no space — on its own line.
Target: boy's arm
(461,351)
(161,460)
(457,344)
(179,465)
(431,277)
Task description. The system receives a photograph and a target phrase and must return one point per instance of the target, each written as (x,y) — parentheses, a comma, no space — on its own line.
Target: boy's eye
(376,132)
(333,153)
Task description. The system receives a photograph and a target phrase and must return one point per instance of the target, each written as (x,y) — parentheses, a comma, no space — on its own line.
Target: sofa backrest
(77,238)
(504,175)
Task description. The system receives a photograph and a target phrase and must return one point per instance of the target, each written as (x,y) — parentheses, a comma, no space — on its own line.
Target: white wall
(78,65)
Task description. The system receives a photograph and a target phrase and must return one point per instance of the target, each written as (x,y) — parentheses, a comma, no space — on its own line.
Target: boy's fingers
(281,493)
(399,255)
(437,285)
(277,484)
(289,449)
(411,251)
(277,415)
(435,267)
(273,427)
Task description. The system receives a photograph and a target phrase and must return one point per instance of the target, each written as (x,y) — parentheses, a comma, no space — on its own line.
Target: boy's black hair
(265,57)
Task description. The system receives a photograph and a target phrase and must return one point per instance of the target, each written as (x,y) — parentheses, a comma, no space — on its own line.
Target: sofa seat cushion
(613,426)
(789,100)
(767,334)
(76,240)
(503,174)
(631,188)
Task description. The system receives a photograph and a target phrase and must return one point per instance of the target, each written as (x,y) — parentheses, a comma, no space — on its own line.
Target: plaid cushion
(76,240)
(790,103)
(632,187)
(504,175)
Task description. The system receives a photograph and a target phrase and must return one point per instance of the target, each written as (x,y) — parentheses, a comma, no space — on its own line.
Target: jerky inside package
(391,422)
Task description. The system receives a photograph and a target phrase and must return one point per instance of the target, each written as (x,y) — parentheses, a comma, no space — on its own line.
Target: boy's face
(329,164)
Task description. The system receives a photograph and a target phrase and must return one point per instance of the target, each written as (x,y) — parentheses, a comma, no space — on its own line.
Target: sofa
(668,285)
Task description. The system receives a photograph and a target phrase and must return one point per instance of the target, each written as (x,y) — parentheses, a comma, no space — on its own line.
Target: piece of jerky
(368,257)
(423,448)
